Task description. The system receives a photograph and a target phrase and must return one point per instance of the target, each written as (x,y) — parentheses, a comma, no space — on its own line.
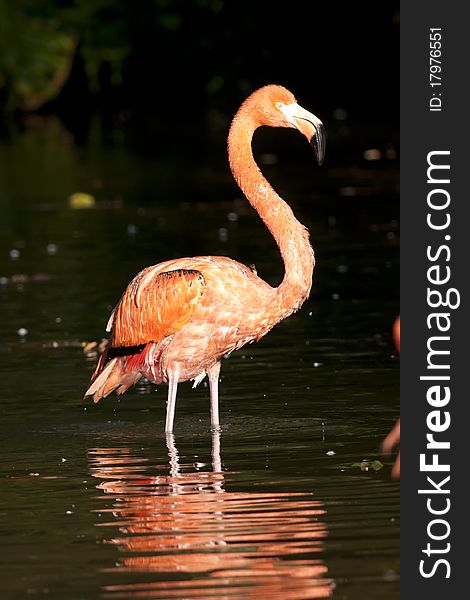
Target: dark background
(141,61)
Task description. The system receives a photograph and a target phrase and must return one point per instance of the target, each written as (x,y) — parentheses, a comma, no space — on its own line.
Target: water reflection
(202,539)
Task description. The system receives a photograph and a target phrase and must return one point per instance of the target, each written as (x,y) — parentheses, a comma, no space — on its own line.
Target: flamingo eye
(280,105)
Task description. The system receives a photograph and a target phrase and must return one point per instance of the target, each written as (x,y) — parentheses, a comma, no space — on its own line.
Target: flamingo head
(275,106)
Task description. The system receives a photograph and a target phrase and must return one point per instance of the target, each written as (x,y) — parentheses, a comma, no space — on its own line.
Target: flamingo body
(193,321)
(177,319)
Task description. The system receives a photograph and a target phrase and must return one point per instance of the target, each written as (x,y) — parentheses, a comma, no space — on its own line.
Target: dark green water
(95,501)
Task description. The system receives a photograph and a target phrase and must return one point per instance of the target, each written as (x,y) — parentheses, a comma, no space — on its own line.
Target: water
(95,501)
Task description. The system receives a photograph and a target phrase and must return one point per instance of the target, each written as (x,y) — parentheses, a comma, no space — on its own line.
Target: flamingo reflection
(201,540)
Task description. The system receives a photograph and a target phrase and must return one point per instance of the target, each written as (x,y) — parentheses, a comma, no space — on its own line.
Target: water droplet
(223,234)
(14,254)
(22,331)
(340,114)
(51,249)
(347,191)
(372,154)
(268,159)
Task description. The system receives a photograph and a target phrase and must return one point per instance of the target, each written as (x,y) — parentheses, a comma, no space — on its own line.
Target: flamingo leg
(213,375)
(171,401)
(216,460)
(392,440)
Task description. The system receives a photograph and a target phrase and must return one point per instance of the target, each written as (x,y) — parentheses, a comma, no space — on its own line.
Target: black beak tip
(318,144)
(320,158)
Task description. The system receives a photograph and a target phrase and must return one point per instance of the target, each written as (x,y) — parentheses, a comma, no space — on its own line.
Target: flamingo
(393,438)
(177,319)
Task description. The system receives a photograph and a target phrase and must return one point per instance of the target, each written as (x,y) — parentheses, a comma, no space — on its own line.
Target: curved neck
(291,236)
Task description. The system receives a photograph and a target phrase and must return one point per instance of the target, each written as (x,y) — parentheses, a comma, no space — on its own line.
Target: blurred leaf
(365,465)
(81,200)
(39,40)
(35,56)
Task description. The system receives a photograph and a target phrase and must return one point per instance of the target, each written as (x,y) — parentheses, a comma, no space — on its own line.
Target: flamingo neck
(291,236)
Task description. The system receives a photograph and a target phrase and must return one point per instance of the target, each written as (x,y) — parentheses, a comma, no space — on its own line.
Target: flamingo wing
(154,307)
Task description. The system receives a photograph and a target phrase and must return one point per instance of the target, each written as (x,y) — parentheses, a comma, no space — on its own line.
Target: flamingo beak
(308,124)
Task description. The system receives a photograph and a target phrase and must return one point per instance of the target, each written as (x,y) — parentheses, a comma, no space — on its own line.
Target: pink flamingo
(176,320)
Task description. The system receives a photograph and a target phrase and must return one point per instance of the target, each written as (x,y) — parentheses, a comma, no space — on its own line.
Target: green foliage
(159,51)
(39,41)
(34,51)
